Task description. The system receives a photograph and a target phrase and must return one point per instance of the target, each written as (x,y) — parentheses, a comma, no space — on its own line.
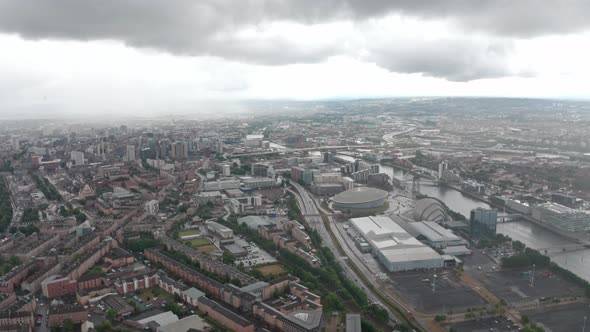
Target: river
(532,235)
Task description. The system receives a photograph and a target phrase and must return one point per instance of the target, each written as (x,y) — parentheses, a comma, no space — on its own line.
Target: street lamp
(584,326)
(434,283)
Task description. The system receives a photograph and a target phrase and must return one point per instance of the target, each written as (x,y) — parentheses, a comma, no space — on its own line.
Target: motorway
(389,138)
(310,212)
(317,148)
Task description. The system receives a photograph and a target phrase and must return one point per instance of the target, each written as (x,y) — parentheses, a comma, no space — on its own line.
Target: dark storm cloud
(173,23)
(185,27)
(207,27)
(508,18)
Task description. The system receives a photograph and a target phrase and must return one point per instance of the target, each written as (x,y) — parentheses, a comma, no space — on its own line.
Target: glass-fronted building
(483,223)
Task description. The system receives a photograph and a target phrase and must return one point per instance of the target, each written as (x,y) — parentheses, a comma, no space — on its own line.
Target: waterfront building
(483,223)
(562,217)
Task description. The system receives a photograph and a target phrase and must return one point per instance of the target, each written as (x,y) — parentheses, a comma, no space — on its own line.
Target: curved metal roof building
(360,198)
(430,209)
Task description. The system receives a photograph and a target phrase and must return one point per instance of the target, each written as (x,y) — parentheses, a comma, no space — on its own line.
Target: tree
(81,217)
(104,326)
(13,260)
(228,257)
(331,302)
(440,318)
(378,312)
(29,229)
(402,328)
(68,325)
(175,308)
(112,314)
(518,246)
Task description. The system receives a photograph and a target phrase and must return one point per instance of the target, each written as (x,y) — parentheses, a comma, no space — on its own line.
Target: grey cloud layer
(455,60)
(207,27)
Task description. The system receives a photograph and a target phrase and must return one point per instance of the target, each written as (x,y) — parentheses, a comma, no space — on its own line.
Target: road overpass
(389,138)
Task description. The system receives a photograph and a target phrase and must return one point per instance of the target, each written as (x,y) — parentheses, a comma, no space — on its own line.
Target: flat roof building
(254,222)
(190,323)
(435,235)
(153,317)
(562,217)
(353,323)
(219,229)
(395,248)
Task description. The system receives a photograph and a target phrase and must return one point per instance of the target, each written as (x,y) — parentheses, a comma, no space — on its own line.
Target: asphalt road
(42,309)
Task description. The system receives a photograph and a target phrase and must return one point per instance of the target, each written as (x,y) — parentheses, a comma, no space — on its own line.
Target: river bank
(531,234)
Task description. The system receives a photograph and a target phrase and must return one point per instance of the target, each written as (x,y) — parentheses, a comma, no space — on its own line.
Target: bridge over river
(564,248)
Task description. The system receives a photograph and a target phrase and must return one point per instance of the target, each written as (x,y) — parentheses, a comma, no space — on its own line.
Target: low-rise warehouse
(435,235)
(394,247)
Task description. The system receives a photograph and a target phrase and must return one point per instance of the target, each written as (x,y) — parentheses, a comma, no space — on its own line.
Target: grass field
(199,242)
(189,232)
(207,249)
(274,269)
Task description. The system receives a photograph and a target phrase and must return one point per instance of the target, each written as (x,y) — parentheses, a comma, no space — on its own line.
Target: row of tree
(5,205)
(46,188)
(526,258)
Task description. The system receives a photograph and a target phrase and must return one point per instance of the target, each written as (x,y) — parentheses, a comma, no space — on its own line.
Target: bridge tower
(415,185)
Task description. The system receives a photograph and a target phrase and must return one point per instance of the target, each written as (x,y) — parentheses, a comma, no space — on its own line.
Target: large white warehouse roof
(392,241)
(434,232)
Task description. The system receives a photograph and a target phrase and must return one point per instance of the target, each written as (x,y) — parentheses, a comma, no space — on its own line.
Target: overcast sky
(150,56)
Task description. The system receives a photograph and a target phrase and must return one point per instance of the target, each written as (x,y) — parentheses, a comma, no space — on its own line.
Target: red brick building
(15,318)
(92,281)
(56,286)
(57,315)
(185,272)
(118,258)
(225,316)
(15,276)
